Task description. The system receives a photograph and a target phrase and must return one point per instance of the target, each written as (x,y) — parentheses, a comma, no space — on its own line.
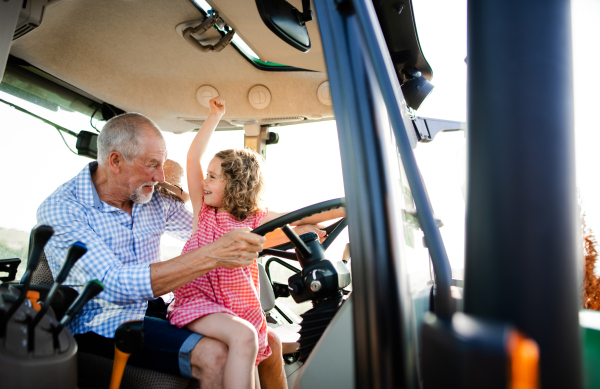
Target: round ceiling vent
(324,93)
(259,97)
(205,94)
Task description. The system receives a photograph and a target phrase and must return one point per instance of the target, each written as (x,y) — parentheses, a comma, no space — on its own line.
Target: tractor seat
(95,371)
(287,333)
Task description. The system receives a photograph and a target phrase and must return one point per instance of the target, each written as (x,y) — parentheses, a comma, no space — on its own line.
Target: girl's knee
(246,337)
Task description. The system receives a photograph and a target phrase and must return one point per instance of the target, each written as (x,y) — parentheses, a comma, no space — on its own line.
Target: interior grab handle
(208,23)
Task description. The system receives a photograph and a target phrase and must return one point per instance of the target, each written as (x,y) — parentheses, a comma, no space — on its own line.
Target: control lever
(300,246)
(90,290)
(40,236)
(76,251)
(129,338)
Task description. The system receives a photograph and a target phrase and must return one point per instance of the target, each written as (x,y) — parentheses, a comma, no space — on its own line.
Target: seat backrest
(267,296)
(42,274)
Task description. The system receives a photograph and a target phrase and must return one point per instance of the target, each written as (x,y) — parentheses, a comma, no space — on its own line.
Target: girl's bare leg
(240,336)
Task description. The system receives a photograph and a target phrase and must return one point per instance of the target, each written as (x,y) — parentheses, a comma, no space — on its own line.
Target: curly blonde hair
(245,183)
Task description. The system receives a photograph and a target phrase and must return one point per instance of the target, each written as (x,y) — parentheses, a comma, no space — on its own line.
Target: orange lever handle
(118,368)
(34,296)
(524,362)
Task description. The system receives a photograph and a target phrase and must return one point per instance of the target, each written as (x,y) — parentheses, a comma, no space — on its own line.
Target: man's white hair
(124,134)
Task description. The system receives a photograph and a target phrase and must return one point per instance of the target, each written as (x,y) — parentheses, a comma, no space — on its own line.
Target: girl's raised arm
(195,175)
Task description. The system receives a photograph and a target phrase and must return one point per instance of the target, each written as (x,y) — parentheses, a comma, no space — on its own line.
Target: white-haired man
(112,207)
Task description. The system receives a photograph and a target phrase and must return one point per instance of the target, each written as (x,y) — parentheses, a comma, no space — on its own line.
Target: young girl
(224,303)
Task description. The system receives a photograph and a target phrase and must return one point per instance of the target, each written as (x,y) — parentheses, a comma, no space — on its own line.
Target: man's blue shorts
(166,347)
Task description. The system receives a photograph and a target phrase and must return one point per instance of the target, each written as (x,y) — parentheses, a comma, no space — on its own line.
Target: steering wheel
(297,242)
(320,280)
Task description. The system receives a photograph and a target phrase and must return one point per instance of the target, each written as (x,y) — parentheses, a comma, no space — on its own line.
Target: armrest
(9,266)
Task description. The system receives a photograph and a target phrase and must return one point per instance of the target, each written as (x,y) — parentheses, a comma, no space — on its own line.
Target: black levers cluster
(40,326)
(40,236)
(320,280)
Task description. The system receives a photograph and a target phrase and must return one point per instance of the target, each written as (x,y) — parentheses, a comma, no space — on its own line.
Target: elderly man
(112,207)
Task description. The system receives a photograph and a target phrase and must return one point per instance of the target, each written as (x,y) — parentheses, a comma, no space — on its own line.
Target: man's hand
(316,228)
(277,237)
(237,248)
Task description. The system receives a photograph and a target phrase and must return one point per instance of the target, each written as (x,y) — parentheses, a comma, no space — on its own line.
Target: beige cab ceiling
(128,53)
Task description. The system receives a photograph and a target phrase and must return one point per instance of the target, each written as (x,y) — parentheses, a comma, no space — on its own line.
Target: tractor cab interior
(376,304)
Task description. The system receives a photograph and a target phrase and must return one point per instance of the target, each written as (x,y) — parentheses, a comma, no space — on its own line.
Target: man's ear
(115,161)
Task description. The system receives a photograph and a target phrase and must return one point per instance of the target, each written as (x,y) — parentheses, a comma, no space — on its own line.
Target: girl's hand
(217,106)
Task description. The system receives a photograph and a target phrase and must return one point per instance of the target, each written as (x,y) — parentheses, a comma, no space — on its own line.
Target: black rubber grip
(41,235)
(309,237)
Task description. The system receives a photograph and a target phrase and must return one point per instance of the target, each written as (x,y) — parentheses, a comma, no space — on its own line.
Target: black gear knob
(76,251)
(129,337)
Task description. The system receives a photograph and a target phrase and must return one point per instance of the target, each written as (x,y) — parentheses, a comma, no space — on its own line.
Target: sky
(35,160)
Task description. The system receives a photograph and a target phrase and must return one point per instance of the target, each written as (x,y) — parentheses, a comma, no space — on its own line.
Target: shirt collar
(86,190)
(97,203)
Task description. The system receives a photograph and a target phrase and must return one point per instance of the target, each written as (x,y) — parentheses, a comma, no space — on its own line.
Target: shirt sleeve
(122,284)
(179,220)
(259,217)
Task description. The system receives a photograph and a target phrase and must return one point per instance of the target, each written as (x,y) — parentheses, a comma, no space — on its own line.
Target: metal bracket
(306,15)
(257,137)
(427,128)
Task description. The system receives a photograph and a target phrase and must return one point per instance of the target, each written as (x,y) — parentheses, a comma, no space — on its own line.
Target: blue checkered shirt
(120,248)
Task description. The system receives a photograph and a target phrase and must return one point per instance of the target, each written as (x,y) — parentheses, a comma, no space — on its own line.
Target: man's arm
(126,284)
(178,219)
(123,284)
(237,248)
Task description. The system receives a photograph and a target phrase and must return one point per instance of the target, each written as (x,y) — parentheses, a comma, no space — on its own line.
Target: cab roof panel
(129,54)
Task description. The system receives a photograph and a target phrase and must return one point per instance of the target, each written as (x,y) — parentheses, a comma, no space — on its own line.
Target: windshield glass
(304,167)
(36,161)
(299,170)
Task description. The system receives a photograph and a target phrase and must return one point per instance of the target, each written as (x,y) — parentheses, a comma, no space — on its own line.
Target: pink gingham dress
(232,291)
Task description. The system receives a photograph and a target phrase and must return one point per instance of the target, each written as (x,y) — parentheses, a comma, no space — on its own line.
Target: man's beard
(139,197)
